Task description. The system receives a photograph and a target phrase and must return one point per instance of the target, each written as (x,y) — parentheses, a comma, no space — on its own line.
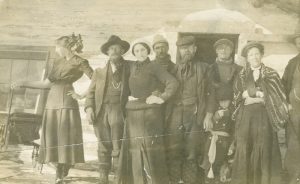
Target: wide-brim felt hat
(114,40)
(251,45)
(224,41)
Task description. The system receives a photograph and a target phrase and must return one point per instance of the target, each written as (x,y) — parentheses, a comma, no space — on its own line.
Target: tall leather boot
(115,163)
(104,168)
(103,175)
(66,169)
(175,172)
(190,173)
(59,174)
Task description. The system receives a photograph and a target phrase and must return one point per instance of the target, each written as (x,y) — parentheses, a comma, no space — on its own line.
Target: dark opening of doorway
(206,52)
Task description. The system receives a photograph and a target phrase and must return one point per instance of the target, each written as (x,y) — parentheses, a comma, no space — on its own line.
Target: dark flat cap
(185,40)
(115,40)
(224,41)
(251,45)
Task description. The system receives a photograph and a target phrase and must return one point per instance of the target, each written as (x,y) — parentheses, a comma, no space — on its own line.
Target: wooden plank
(50,49)
(5,67)
(25,47)
(24,55)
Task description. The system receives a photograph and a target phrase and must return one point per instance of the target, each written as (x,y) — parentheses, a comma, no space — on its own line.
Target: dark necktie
(117,75)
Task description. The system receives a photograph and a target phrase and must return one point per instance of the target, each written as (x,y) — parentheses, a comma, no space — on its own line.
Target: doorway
(205,44)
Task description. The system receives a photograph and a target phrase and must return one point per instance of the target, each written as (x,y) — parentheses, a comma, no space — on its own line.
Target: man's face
(223,51)
(161,50)
(187,52)
(297,43)
(115,52)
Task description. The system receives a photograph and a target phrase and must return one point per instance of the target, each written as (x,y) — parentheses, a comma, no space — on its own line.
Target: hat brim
(163,41)
(124,44)
(250,46)
(225,42)
(185,40)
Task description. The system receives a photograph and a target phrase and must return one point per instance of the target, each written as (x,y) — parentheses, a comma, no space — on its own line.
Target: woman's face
(254,57)
(140,52)
(297,43)
(60,50)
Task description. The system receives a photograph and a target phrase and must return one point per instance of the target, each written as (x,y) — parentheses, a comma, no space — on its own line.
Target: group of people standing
(161,122)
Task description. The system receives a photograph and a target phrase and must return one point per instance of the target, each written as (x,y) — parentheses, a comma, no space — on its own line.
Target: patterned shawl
(274,95)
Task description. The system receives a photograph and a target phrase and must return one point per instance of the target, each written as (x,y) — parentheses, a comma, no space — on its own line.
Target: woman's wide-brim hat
(114,40)
(251,45)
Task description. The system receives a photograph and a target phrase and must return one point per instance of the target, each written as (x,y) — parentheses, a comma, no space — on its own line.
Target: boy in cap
(219,138)
(184,128)
(222,72)
(105,104)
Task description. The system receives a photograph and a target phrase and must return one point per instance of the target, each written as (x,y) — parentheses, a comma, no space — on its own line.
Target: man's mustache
(187,55)
(161,54)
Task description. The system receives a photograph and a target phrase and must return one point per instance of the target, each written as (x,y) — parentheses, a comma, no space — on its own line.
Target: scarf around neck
(274,95)
(139,65)
(117,75)
(163,61)
(185,69)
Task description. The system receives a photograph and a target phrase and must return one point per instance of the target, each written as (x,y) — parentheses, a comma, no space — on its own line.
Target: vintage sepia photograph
(150,92)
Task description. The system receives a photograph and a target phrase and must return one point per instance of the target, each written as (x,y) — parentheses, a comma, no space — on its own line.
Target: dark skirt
(292,160)
(142,159)
(61,140)
(257,159)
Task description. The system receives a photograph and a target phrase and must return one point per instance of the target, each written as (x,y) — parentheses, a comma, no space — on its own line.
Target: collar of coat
(164,61)
(215,74)
(139,64)
(265,72)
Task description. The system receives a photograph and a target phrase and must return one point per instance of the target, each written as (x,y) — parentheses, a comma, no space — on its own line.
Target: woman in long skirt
(61,137)
(261,110)
(143,155)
